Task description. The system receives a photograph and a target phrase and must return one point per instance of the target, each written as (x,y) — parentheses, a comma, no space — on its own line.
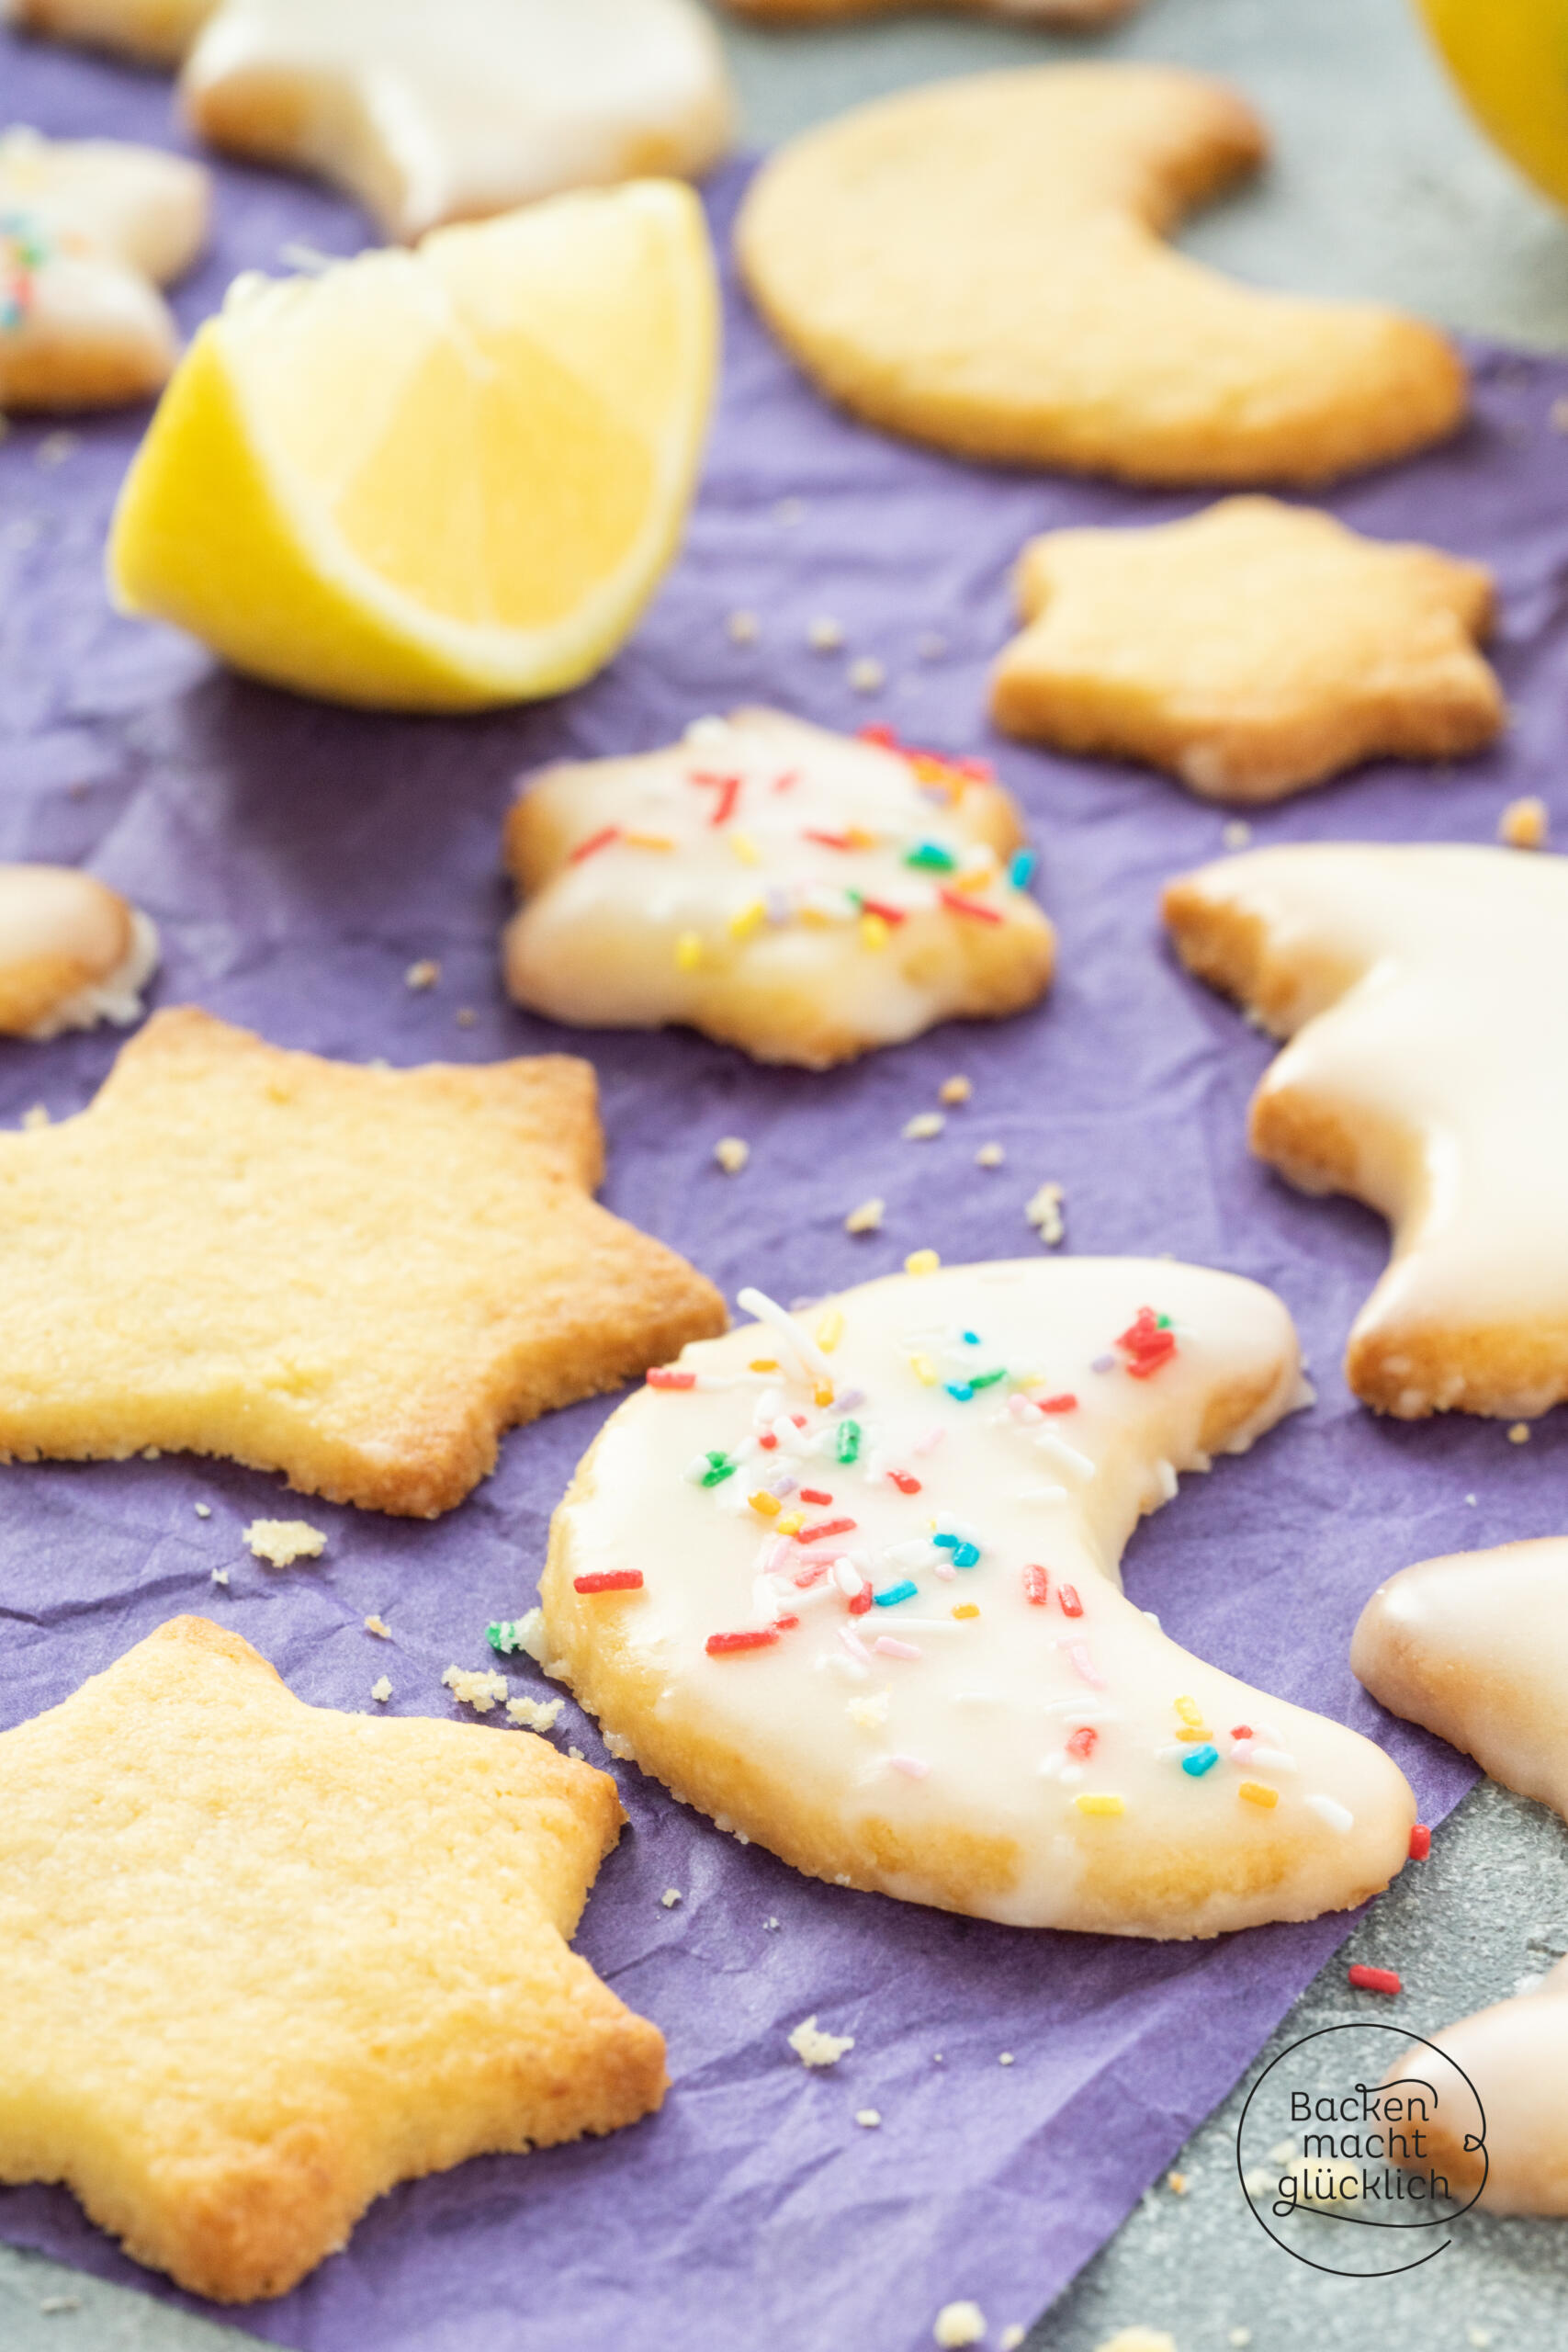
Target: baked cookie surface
(1061,15)
(89,229)
(1514,2057)
(791,891)
(263,1959)
(848,1581)
(157,31)
(1251,650)
(1424,992)
(73,952)
(359,1277)
(1019,302)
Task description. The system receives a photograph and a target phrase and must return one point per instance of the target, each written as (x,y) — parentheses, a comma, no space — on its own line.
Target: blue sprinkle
(972,1339)
(948,1542)
(1020,873)
(1199,1763)
(905,1591)
(960,1391)
(966,1555)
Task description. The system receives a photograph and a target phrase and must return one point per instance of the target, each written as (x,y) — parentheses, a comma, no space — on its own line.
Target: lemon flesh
(1510,60)
(439,479)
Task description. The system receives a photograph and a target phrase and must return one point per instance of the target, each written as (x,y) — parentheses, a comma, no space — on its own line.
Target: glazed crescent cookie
(784,890)
(1514,2058)
(158,32)
(326,1953)
(981,264)
(848,1582)
(1251,650)
(1424,990)
(1060,16)
(89,229)
(449,113)
(73,952)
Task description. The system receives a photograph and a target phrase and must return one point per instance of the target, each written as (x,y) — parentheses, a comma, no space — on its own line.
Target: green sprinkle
(985,1379)
(502,1638)
(849,1440)
(932,856)
(720,1467)
(1162,1322)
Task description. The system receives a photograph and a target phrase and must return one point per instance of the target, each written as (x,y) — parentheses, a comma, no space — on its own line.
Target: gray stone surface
(1380,187)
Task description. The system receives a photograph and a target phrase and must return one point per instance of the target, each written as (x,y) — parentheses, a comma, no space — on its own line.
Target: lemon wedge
(1510,60)
(439,479)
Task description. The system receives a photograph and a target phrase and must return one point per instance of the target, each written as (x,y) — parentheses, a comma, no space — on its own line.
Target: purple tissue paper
(297,858)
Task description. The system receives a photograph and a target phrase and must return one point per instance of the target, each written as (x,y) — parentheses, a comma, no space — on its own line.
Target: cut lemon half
(439,479)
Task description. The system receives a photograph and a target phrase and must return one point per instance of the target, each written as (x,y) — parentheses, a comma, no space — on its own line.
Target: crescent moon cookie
(264,1960)
(73,952)
(89,229)
(1250,650)
(430,114)
(793,892)
(849,1582)
(1516,2056)
(1424,990)
(1020,303)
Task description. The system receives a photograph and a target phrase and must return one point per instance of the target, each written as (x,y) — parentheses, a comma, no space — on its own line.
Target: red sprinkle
(768,1441)
(975,771)
(662,1376)
(812,1494)
(1082,1741)
(828,840)
(1145,1344)
(594,842)
(721,1645)
(886,736)
(860,1601)
(1420,1842)
(1241,1731)
(904,1482)
(1065,1403)
(728,790)
(812,1573)
(799,1420)
(783,783)
(1373,1979)
(610,1580)
(783,1624)
(1071,1605)
(956,903)
(820,1533)
(881,907)
(1036,1586)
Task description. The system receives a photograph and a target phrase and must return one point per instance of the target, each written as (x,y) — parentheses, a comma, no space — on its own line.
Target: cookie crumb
(671,1896)
(1138,2339)
(1177,2183)
(577,1756)
(1480,2337)
(220,1576)
(771,1926)
(1519,1434)
(868,2118)
(824,635)
(35,1118)
(1524,824)
(867,1218)
(868,675)
(921,1262)
(923,1127)
(958,2324)
(281,1542)
(817,2048)
(1044,1214)
(476,1687)
(1241,2337)
(466,1017)
(743,628)
(1237,833)
(202,1511)
(381,1692)
(1012,2337)
(379,1626)
(957,1088)
(535,1714)
(731,1153)
(54,2303)
(423,975)
(1006,2059)
(55,447)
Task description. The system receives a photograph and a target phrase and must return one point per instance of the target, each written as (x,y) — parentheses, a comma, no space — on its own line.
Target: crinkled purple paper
(297,858)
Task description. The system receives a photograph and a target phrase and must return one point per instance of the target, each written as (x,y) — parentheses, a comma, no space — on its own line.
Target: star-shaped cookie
(1061,15)
(793,892)
(89,229)
(264,1960)
(359,1277)
(848,1580)
(1252,649)
(1512,2059)
(1424,990)
(73,952)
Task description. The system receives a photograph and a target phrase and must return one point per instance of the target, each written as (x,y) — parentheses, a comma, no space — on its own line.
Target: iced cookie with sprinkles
(1423,991)
(89,229)
(803,895)
(848,1580)
(73,952)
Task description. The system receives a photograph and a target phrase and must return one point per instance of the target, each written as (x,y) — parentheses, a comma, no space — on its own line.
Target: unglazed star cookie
(981,264)
(73,952)
(1251,650)
(263,1959)
(783,888)
(848,1581)
(1513,2059)
(448,113)
(89,229)
(1424,990)
(359,1277)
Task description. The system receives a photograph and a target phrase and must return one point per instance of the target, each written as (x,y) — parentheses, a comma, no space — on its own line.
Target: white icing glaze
(779,955)
(443,113)
(72,952)
(818,1729)
(1424,990)
(1516,2056)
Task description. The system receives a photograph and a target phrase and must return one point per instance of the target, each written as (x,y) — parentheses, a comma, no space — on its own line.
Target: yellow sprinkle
(1100,1805)
(767,1504)
(858,838)
(688,951)
(967,1609)
(921,1262)
(1188,1710)
(873,932)
(745,849)
(923,1369)
(1191,1731)
(648,841)
(763,1364)
(823,1393)
(831,1330)
(1255,1792)
(747,919)
(813,918)
(789,1523)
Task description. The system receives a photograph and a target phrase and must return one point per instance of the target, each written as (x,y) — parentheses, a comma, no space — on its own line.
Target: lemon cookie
(795,893)
(1424,992)
(89,229)
(265,1960)
(157,31)
(982,264)
(359,1277)
(1513,2059)
(847,1580)
(1251,650)
(73,952)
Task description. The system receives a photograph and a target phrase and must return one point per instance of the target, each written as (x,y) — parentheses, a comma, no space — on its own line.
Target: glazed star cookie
(1514,2058)
(359,1277)
(1020,303)
(428,115)
(1424,990)
(1060,16)
(73,952)
(326,1953)
(89,229)
(784,890)
(848,1581)
(158,32)
(1251,650)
